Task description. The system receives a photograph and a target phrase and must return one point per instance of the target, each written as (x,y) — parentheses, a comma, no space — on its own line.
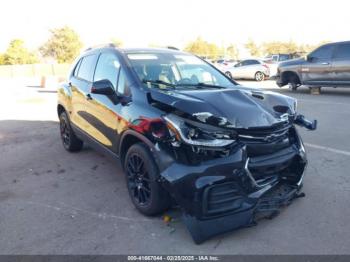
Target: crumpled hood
(237,107)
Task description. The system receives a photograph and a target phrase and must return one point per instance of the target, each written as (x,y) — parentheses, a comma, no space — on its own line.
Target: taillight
(266,66)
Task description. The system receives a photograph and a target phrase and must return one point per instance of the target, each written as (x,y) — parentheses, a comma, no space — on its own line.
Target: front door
(317,68)
(103,112)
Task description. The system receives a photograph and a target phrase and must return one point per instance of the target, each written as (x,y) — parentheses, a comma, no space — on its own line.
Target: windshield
(167,70)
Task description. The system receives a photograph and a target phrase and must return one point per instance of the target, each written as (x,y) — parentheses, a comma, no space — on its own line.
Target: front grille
(222,198)
(265,141)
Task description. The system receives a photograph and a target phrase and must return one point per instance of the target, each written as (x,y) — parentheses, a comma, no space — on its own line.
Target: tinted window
(245,63)
(87,66)
(123,84)
(323,52)
(343,51)
(107,68)
(254,62)
(284,57)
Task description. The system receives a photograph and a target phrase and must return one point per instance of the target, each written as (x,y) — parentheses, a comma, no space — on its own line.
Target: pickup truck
(326,66)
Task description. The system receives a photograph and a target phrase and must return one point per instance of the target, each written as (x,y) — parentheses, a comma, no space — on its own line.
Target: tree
(203,48)
(278,47)
(17,53)
(63,45)
(117,42)
(2,61)
(232,51)
(253,48)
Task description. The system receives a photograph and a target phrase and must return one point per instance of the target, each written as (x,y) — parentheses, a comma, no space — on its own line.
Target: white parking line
(323,102)
(333,150)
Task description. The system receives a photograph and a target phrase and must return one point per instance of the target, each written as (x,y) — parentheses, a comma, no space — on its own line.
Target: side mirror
(309,58)
(103,87)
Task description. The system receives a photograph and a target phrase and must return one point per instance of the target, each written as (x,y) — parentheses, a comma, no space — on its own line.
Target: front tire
(293,83)
(228,73)
(69,140)
(259,76)
(147,195)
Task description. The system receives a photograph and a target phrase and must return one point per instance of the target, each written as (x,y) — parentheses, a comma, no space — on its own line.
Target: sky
(176,22)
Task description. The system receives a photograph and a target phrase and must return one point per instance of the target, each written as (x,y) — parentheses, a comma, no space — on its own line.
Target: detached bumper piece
(302,121)
(226,198)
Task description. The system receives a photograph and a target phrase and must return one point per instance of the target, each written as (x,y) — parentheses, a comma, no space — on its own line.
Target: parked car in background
(281,57)
(249,69)
(222,64)
(186,134)
(274,60)
(328,65)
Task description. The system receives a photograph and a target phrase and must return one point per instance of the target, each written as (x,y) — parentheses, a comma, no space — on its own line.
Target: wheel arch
(60,109)
(287,75)
(129,138)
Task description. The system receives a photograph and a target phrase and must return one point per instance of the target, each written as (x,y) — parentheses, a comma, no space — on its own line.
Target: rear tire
(259,76)
(69,140)
(142,174)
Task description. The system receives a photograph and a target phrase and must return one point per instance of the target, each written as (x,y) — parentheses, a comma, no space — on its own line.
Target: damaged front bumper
(223,194)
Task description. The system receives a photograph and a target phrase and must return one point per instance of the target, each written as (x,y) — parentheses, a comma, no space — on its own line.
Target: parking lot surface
(55,202)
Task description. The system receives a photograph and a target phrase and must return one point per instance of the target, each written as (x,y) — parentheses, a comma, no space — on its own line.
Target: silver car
(249,69)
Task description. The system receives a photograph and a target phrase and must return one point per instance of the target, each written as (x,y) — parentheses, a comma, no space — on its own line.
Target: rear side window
(343,51)
(76,69)
(87,67)
(323,52)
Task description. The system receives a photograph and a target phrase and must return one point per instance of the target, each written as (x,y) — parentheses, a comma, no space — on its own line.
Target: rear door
(317,68)
(341,64)
(80,83)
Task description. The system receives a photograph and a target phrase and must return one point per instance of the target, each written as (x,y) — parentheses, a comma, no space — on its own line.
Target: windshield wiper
(158,82)
(201,85)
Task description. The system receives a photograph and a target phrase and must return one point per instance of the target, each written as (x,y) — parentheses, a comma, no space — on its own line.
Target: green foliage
(117,42)
(232,52)
(17,53)
(63,45)
(277,47)
(204,49)
(253,48)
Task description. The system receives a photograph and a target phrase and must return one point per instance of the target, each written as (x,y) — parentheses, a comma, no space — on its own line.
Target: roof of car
(149,50)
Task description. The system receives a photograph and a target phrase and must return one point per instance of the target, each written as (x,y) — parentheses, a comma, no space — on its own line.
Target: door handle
(325,63)
(88,97)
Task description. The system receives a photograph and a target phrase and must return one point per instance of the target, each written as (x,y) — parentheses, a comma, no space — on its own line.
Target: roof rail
(172,47)
(101,46)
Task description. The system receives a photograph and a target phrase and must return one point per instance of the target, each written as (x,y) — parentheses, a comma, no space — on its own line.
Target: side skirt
(94,143)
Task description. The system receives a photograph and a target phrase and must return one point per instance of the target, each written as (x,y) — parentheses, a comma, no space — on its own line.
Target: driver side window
(323,52)
(107,68)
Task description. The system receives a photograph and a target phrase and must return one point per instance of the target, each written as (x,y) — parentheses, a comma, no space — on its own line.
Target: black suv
(328,65)
(185,135)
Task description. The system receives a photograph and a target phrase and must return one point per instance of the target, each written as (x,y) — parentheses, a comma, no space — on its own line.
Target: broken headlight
(197,134)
